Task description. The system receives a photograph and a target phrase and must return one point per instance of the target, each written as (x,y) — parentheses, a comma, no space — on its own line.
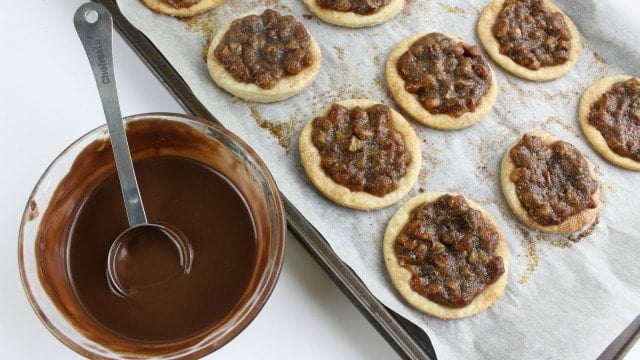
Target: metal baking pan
(408,340)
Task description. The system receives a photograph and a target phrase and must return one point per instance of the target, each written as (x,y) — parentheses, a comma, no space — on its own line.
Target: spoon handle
(94,26)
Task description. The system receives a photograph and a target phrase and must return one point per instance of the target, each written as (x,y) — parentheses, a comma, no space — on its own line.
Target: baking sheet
(567,296)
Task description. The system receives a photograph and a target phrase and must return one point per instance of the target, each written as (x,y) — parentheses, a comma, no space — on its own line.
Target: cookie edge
(572,223)
(593,135)
(353,20)
(199,8)
(491,45)
(310,160)
(409,102)
(286,87)
(400,276)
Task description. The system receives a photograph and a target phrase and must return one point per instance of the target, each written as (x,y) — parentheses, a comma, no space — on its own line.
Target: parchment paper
(567,296)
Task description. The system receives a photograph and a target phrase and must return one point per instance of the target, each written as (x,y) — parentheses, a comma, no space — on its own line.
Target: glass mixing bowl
(57,197)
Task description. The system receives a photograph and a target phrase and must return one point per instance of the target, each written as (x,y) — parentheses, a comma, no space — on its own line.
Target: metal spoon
(127,265)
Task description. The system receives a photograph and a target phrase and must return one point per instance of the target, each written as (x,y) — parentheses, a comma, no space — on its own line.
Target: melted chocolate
(211,215)
(186,180)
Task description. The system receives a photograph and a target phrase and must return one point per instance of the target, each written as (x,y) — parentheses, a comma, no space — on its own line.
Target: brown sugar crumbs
(531,253)
(532,36)
(553,182)
(449,248)
(262,49)
(448,76)
(616,115)
(281,130)
(360,149)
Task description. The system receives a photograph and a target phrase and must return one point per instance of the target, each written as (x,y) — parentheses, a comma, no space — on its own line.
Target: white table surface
(49,99)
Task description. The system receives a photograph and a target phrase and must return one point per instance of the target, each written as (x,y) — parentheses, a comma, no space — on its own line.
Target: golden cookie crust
(310,159)
(409,102)
(492,46)
(164,8)
(285,88)
(591,95)
(400,276)
(353,20)
(571,224)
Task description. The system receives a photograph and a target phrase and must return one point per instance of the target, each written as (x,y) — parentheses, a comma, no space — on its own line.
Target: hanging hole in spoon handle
(94,26)
(91,16)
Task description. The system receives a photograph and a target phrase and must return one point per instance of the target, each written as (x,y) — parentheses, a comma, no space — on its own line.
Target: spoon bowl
(147,256)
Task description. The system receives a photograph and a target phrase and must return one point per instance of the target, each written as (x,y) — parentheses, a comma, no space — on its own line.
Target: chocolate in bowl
(193,175)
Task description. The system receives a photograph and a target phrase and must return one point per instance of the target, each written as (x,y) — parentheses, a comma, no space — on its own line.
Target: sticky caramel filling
(532,36)
(262,49)
(553,182)
(447,76)
(449,248)
(360,149)
(616,115)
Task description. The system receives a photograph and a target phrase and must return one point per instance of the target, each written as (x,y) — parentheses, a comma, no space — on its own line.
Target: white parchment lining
(564,298)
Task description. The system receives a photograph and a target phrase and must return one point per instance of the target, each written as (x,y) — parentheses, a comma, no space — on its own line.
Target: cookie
(364,14)
(627,153)
(445,94)
(445,255)
(284,58)
(369,159)
(549,185)
(181,8)
(563,41)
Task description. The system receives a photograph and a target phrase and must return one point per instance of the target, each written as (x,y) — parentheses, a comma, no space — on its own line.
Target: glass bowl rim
(242,317)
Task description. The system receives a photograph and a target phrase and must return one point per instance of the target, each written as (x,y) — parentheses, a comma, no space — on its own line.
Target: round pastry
(264,58)
(360,154)
(441,81)
(181,8)
(446,255)
(549,185)
(355,13)
(609,113)
(532,39)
